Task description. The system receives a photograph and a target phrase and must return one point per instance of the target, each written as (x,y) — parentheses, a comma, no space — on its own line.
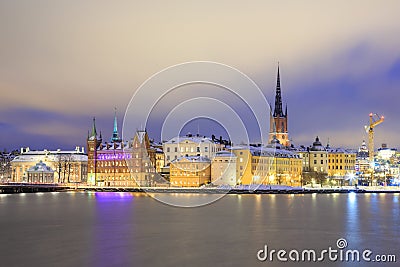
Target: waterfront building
(270,165)
(5,165)
(223,169)
(243,164)
(191,145)
(385,153)
(279,119)
(121,163)
(315,157)
(362,164)
(341,164)
(40,173)
(70,166)
(386,165)
(190,171)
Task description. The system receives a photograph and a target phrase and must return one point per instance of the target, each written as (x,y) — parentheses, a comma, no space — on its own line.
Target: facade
(223,169)
(190,145)
(341,163)
(243,164)
(315,158)
(123,163)
(5,166)
(40,173)
(190,171)
(362,164)
(279,119)
(271,165)
(68,166)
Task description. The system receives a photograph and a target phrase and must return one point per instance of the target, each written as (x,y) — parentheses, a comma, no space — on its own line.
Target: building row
(194,160)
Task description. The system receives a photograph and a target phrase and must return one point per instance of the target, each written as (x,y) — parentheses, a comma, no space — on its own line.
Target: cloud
(339,59)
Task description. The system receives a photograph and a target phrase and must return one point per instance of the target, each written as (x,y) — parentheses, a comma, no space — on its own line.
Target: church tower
(93,142)
(115,136)
(278,120)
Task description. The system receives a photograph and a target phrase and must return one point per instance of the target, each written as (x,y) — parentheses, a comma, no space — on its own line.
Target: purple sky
(63,62)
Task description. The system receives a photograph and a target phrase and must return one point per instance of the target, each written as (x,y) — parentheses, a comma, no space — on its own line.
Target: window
(176,149)
(198,149)
(168,149)
(315,161)
(322,161)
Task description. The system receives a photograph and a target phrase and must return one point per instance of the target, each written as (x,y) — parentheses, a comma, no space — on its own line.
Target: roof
(272,152)
(190,138)
(40,167)
(340,150)
(225,153)
(51,155)
(198,159)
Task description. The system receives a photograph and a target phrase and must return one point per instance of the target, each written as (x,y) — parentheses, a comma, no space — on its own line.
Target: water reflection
(111,245)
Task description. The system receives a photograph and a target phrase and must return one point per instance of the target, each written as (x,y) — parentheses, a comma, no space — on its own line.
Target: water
(123,229)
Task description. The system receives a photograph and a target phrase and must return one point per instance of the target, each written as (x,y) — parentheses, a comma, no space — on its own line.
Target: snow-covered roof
(192,159)
(50,155)
(110,146)
(268,151)
(195,139)
(40,167)
(340,150)
(272,152)
(225,153)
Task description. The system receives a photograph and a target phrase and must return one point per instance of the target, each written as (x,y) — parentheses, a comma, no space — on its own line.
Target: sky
(64,62)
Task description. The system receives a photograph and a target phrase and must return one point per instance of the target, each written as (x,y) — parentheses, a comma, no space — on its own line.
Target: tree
(320,177)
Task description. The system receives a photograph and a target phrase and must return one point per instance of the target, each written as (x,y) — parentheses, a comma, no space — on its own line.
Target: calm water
(122,229)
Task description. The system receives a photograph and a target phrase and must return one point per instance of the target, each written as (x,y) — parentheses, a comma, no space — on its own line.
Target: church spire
(278,98)
(115,135)
(94,131)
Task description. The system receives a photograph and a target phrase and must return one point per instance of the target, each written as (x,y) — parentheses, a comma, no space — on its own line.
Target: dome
(317,145)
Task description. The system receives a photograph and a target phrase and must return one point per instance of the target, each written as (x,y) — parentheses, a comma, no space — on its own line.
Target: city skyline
(63,63)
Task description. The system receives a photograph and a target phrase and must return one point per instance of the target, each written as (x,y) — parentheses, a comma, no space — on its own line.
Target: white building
(223,169)
(385,153)
(190,145)
(40,173)
(68,166)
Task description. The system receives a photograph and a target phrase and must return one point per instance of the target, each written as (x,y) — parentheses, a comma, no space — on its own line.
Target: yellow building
(268,165)
(191,171)
(341,163)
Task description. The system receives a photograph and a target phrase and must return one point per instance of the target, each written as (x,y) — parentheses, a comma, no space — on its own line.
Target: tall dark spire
(115,135)
(278,98)
(94,131)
